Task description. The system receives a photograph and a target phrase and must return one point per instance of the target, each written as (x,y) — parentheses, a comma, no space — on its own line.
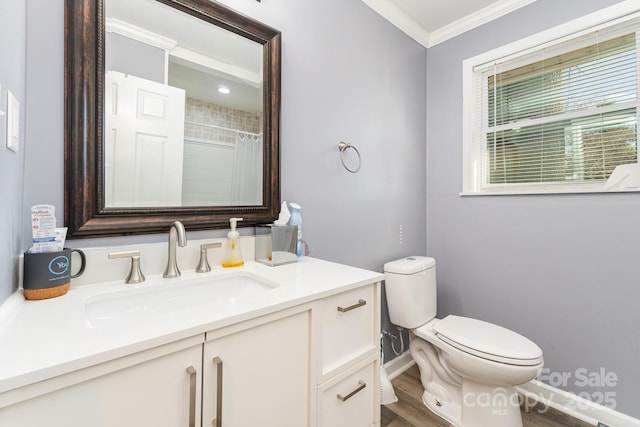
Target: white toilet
(468,368)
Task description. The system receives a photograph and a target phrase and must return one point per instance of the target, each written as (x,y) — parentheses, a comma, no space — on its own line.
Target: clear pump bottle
(233,253)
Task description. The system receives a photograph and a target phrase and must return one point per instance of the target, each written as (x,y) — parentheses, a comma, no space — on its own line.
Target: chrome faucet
(176,231)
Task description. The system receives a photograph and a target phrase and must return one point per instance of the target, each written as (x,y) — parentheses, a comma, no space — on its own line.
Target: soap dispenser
(233,253)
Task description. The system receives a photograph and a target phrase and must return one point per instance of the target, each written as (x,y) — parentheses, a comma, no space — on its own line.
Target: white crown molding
(398,17)
(476,19)
(117,26)
(207,64)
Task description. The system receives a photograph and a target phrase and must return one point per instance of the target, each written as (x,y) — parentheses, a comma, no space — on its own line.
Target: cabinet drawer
(350,400)
(348,327)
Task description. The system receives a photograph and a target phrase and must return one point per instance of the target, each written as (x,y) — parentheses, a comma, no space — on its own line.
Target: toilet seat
(488,341)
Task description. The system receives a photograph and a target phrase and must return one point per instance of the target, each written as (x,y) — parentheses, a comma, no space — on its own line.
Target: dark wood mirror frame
(85,213)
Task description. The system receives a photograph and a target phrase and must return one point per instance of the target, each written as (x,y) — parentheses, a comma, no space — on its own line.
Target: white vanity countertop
(46,338)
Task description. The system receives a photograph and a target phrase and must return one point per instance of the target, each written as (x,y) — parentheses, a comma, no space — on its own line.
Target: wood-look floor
(409,411)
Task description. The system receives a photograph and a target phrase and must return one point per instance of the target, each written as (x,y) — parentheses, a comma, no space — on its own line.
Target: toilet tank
(410,286)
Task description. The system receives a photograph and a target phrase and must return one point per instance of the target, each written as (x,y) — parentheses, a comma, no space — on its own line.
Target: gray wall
(558,269)
(12,77)
(347,75)
(561,270)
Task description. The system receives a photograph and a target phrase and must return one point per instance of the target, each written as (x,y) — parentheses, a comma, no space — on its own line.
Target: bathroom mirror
(181,150)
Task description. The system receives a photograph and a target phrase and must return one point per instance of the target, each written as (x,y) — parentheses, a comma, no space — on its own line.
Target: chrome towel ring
(343,146)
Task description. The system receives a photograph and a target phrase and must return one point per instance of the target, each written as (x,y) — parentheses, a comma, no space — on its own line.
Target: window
(558,116)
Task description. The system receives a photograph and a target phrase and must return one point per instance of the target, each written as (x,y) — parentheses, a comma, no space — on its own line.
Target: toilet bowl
(469,368)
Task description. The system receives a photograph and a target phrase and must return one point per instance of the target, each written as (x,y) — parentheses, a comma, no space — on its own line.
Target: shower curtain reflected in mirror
(246,179)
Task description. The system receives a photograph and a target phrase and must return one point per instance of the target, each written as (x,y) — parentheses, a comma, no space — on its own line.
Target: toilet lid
(410,265)
(488,341)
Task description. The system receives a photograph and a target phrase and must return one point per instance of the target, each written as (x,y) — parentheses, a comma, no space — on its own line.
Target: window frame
(473,141)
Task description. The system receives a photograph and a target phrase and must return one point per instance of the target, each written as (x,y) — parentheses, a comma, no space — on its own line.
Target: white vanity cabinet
(312,365)
(348,390)
(158,387)
(305,354)
(257,373)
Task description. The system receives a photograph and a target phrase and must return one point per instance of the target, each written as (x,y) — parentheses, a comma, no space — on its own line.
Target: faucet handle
(203,265)
(135,274)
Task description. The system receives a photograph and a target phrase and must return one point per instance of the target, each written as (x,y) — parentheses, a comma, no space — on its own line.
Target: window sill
(548,191)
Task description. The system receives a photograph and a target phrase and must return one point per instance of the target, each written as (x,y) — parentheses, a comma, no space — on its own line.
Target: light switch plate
(3,116)
(13,122)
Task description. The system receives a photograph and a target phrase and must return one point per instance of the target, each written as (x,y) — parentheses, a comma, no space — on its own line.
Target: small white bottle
(233,253)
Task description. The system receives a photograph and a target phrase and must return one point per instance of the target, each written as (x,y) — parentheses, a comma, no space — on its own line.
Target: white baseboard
(575,406)
(568,403)
(399,364)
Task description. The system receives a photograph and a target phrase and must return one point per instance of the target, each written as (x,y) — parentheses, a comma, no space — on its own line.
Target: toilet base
(459,399)
(490,406)
(449,411)
(483,406)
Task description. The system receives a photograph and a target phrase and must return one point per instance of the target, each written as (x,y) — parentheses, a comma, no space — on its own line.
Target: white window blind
(564,115)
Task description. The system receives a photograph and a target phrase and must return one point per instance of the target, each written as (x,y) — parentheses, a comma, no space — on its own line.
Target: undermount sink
(171,296)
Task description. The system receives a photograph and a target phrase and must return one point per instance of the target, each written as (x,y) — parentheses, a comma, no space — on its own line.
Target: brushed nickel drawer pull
(352,307)
(192,396)
(217,421)
(361,387)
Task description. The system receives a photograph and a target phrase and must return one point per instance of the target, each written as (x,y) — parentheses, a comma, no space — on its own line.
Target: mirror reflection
(183,110)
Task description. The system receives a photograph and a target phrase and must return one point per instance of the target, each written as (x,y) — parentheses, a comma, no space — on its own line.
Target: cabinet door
(163,391)
(261,375)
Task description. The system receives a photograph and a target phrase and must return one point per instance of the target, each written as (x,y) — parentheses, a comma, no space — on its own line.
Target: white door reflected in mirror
(171,137)
(144,140)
